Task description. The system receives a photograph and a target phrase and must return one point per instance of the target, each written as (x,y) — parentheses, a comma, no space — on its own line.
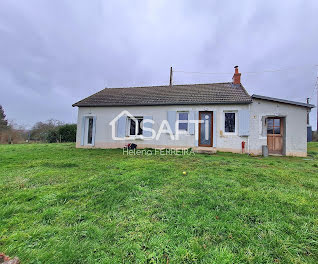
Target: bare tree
(41,130)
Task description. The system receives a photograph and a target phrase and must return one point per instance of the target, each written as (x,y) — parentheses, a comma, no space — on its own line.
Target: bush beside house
(53,131)
(67,133)
(63,133)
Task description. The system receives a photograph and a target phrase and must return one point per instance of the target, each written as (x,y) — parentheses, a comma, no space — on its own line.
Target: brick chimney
(237,76)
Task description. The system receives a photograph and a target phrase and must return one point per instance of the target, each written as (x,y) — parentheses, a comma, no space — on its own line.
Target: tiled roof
(190,94)
(256,96)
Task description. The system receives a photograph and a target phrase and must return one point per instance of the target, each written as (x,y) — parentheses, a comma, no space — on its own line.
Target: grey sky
(54,53)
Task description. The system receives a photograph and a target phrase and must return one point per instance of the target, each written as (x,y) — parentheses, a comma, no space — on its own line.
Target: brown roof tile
(189,94)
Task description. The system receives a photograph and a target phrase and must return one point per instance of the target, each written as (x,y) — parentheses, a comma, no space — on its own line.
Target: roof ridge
(189,84)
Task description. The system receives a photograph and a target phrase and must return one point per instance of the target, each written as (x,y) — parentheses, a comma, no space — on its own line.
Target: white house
(216,116)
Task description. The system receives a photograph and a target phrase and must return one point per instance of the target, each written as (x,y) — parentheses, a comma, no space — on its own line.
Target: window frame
(235,122)
(185,131)
(274,125)
(136,135)
(86,129)
(90,125)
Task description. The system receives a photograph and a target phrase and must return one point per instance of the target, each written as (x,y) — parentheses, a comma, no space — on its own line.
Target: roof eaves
(76,104)
(273,99)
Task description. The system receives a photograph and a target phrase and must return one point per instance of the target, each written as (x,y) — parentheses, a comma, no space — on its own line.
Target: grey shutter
(94,131)
(244,122)
(147,125)
(264,126)
(196,139)
(172,115)
(214,130)
(191,125)
(83,131)
(121,126)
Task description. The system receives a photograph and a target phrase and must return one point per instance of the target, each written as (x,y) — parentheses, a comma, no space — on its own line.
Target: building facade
(220,117)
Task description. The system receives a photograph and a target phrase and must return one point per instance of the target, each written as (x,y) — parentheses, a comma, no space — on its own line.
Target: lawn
(59,204)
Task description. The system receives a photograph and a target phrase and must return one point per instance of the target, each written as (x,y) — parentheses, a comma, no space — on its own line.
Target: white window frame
(235,120)
(86,126)
(182,131)
(128,127)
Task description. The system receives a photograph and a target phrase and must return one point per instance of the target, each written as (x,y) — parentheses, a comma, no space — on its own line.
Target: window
(90,131)
(229,122)
(135,129)
(183,118)
(273,126)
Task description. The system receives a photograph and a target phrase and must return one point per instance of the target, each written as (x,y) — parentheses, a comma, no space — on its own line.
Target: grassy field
(59,204)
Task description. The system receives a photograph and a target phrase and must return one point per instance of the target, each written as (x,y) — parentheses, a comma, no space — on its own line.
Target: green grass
(59,204)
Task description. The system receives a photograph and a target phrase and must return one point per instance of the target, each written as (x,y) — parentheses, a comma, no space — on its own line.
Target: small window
(273,126)
(183,121)
(90,131)
(135,129)
(229,122)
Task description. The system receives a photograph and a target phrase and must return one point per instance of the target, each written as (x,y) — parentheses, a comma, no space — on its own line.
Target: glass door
(206,129)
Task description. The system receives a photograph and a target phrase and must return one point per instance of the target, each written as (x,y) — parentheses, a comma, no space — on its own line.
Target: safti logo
(126,126)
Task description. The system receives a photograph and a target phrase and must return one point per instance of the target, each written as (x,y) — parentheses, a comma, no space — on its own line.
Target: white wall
(104,115)
(296,136)
(295,130)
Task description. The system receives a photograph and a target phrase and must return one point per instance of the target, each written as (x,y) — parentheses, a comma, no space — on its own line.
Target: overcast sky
(54,53)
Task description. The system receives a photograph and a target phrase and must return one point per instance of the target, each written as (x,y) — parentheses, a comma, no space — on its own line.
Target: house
(214,116)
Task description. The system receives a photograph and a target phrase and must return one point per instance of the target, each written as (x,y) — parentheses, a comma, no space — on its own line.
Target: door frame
(86,128)
(199,132)
(282,134)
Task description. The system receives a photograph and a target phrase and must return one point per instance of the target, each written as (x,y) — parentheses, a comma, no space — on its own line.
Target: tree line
(51,131)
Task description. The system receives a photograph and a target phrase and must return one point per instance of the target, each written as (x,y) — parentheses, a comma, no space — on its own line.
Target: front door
(206,129)
(275,135)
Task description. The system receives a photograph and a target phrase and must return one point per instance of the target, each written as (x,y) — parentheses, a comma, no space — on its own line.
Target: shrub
(67,133)
(315,136)
(41,130)
(53,131)
(52,136)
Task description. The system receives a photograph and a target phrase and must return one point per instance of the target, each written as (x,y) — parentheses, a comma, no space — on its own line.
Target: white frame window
(131,121)
(183,123)
(88,130)
(89,134)
(235,122)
